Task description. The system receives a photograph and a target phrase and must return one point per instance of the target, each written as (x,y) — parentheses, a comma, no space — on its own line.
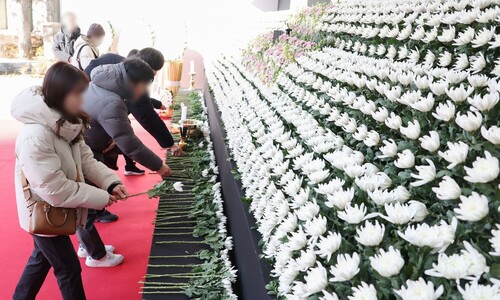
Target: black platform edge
(253,273)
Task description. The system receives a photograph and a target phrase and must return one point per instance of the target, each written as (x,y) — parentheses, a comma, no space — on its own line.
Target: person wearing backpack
(85,48)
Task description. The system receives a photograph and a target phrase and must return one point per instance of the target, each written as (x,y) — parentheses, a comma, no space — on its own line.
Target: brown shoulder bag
(46,219)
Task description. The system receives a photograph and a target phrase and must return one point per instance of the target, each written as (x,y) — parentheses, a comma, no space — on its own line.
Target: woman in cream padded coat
(51,151)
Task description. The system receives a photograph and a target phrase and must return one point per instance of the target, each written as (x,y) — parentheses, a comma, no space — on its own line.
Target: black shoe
(132,170)
(106,217)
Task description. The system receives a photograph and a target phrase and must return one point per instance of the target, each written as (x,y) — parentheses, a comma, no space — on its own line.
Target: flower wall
(372,162)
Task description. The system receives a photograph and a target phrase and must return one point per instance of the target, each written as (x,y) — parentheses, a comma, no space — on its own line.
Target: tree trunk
(26,19)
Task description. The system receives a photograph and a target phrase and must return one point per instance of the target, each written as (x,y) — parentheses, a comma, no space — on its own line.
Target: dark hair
(132,53)
(61,80)
(152,57)
(95,30)
(138,71)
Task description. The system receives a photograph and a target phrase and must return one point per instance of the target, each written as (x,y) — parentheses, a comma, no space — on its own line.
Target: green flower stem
(161,213)
(173,287)
(175,275)
(173,266)
(169,228)
(171,217)
(159,283)
(161,292)
(180,242)
(171,202)
(184,198)
(172,233)
(173,256)
(174,206)
(174,223)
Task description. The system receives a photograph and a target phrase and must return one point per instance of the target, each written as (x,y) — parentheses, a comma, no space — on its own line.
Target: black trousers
(51,252)
(89,238)
(129,162)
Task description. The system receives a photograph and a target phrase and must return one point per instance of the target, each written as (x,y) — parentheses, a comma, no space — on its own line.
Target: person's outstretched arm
(114,120)
(156,103)
(143,111)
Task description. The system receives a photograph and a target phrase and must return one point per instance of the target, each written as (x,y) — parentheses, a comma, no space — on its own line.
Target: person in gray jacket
(106,107)
(64,40)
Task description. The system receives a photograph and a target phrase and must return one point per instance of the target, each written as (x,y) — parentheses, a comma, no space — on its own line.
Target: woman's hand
(120,192)
(112,199)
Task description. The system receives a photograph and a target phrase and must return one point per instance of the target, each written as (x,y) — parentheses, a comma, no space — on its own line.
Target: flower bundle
(372,163)
(265,57)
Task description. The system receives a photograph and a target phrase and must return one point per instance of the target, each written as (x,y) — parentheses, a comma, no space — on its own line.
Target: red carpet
(131,234)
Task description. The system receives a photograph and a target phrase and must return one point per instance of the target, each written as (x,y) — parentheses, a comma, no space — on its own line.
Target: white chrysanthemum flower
(394,121)
(475,291)
(405,160)
(398,213)
(372,139)
(353,214)
(470,122)
(449,267)
(316,279)
(437,237)
(477,81)
(478,63)
(363,291)
(475,260)
(390,149)
(346,268)
(483,169)
(483,37)
(472,208)
(456,153)
(445,59)
(340,198)
(459,94)
(328,245)
(491,134)
(465,37)
(419,209)
(430,142)
(484,103)
(495,241)
(448,189)
(444,111)
(178,186)
(462,62)
(439,87)
(370,234)
(387,263)
(419,290)
(425,174)
(447,35)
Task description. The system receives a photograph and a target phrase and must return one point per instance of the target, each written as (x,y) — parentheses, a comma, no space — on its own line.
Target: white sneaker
(82,253)
(110,260)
